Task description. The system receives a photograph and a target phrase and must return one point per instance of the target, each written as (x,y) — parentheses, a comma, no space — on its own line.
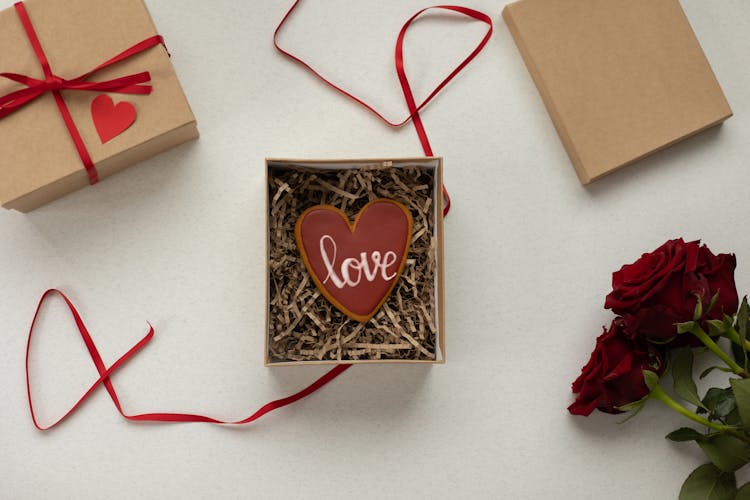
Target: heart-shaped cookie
(111,120)
(355,266)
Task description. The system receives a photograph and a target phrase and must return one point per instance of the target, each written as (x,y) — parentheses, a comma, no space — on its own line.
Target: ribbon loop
(104,377)
(414,109)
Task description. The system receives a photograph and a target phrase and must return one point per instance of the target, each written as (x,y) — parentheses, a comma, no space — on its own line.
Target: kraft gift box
(38,159)
(621,79)
(302,326)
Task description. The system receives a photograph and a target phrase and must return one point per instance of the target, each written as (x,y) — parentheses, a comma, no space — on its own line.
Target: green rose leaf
(743,493)
(726,453)
(733,419)
(709,483)
(685,434)
(682,374)
(738,353)
(743,315)
(741,389)
(719,402)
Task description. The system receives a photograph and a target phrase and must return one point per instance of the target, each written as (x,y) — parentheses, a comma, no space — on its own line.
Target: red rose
(661,288)
(613,376)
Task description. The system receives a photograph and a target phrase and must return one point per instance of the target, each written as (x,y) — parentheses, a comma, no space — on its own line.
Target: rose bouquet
(671,304)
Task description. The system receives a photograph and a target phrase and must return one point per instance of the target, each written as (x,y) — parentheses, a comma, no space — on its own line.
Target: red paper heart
(111,120)
(355,266)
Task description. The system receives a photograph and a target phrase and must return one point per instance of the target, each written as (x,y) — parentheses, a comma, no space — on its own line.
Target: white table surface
(178,241)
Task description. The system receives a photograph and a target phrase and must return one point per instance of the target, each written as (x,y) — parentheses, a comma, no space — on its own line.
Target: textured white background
(178,241)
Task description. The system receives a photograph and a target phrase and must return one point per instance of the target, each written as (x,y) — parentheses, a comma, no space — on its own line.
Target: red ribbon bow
(35,88)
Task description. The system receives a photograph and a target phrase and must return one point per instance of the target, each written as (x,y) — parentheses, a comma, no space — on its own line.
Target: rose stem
(658,394)
(714,348)
(734,336)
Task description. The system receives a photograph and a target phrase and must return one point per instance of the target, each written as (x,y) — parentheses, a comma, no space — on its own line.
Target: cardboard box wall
(437,162)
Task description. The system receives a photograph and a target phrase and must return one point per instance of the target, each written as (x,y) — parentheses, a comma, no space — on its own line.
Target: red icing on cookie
(356,266)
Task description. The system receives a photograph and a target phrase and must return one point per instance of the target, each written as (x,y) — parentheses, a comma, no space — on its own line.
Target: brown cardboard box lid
(36,149)
(620,78)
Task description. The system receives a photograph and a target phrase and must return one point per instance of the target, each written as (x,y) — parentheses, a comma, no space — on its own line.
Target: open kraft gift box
(303,326)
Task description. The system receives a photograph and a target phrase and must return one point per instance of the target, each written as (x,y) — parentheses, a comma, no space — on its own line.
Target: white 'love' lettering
(352,270)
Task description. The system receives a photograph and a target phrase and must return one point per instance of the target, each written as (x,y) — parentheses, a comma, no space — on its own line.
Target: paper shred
(381,347)
(418,346)
(336,190)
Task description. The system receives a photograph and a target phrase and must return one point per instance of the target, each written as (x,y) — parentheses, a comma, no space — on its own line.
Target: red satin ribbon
(35,88)
(104,378)
(414,109)
(130,85)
